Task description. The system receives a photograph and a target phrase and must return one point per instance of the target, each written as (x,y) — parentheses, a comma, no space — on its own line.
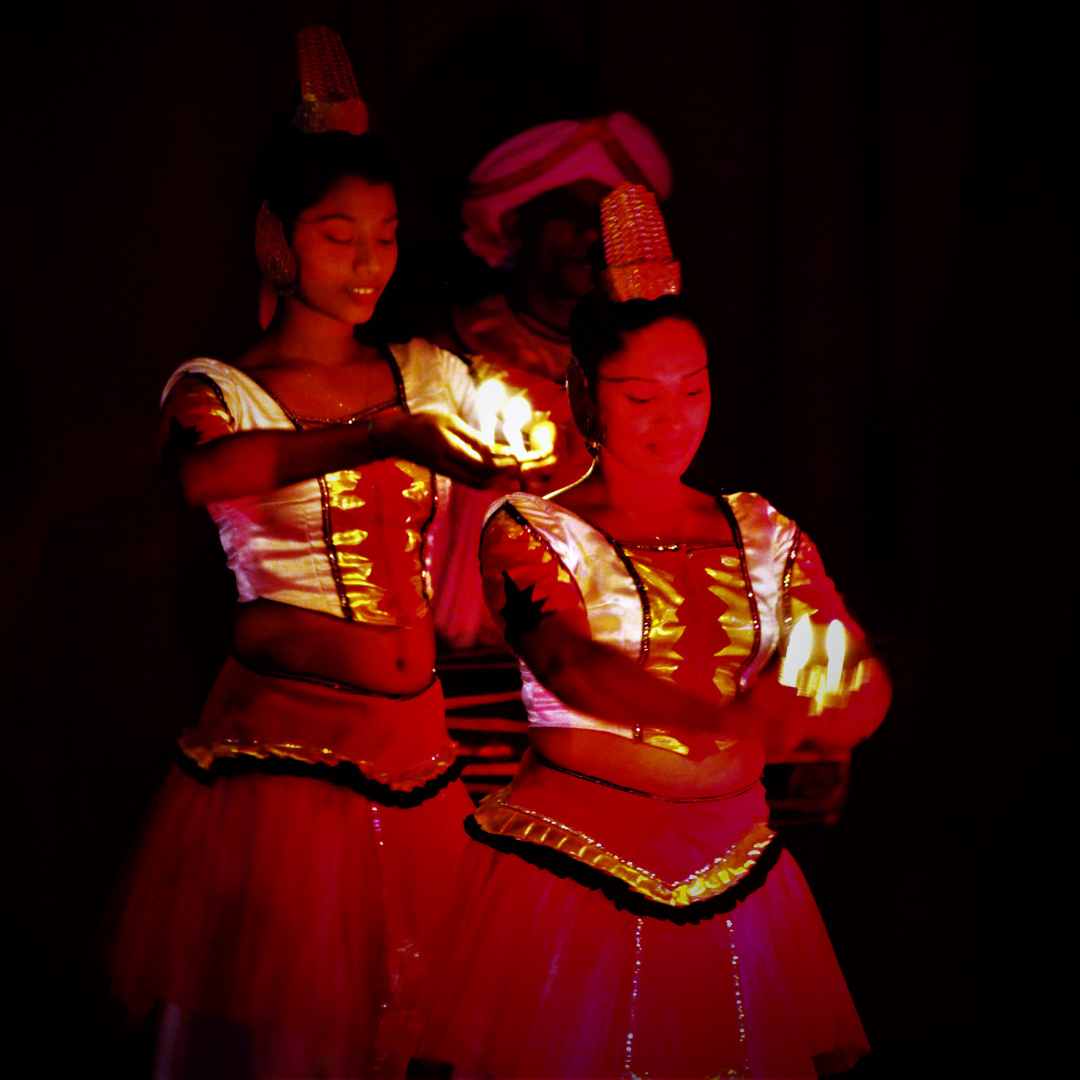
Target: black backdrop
(870,208)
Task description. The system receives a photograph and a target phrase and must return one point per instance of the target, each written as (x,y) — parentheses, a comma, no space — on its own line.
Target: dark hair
(599,325)
(296,170)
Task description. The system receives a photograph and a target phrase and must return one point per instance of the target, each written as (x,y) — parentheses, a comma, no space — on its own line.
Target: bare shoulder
(273,371)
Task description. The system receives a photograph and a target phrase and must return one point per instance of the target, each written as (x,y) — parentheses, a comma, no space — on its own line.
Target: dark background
(870,208)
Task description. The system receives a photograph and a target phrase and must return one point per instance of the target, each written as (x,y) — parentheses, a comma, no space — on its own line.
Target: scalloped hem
(197,745)
(497,816)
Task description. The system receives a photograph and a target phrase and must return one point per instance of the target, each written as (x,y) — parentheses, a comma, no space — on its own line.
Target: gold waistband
(675,853)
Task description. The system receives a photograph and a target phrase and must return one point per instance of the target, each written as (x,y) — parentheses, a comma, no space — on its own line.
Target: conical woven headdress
(329,98)
(636,248)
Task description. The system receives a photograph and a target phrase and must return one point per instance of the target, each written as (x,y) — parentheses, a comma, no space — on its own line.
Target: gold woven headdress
(329,99)
(636,248)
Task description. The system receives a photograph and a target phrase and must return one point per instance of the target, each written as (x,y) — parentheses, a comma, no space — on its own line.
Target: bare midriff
(383,659)
(647,768)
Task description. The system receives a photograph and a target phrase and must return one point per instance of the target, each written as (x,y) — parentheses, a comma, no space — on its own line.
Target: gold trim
(204,751)
(497,816)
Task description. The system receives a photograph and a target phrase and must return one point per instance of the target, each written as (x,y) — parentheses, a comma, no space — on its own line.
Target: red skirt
(280,912)
(551,974)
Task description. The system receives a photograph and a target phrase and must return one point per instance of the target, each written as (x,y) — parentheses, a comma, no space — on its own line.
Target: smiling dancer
(292,869)
(624,909)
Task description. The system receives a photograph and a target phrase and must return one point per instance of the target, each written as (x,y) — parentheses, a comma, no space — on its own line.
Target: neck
(636,494)
(306,334)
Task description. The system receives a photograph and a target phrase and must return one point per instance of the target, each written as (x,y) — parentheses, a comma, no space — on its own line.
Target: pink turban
(609,149)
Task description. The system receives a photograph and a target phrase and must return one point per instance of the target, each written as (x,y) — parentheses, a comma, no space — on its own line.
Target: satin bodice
(348,543)
(704,617)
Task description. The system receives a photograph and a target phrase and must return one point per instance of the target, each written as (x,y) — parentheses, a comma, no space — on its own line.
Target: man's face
(555,232)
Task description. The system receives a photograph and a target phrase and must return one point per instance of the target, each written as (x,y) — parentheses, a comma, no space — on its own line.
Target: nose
(667,414)
(588,226)
(363,252)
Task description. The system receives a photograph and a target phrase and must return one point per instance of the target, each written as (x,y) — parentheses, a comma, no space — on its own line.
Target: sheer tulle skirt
(546,977)
(278,921)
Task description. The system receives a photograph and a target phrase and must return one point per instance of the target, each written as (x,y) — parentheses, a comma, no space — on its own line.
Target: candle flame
(799,647)
(489,398)
(835,650)
(542,438)
(516,413)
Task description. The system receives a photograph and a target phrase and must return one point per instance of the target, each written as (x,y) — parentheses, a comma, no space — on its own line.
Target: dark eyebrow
(392,220)
(638,378)
(691,374)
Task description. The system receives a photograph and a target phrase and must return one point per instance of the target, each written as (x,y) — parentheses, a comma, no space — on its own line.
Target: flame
(835,650)
(489,398)
(799,647)
(516,413)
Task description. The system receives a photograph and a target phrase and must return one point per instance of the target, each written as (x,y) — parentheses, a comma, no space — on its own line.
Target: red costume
(292,872)
(604,931)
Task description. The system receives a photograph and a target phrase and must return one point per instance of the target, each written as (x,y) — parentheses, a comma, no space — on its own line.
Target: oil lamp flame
(542,438)
(516,413)
(799,647)
(489,398)
(835,649)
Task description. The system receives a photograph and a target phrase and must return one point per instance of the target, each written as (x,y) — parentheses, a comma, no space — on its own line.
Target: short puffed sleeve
(524,580)
(195,411)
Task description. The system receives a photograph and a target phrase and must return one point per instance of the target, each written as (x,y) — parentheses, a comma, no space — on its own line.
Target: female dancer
(291,872)
(626,910)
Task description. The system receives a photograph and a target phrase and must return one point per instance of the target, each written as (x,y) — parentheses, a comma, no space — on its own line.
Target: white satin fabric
(275,542)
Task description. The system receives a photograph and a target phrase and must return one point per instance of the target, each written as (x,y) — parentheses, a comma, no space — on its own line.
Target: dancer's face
(653,398)
(346,249)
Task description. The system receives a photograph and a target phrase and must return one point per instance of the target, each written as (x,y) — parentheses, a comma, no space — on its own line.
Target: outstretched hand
(781,720)
(446,445)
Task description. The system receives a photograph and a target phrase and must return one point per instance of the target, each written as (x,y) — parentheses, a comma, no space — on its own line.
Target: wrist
(381,436)
(374,446)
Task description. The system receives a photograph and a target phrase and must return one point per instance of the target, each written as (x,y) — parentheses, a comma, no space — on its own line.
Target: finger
(457,446)
(540,465)
(466,434)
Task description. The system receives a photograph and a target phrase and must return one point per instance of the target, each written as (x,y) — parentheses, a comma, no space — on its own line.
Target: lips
(672,449)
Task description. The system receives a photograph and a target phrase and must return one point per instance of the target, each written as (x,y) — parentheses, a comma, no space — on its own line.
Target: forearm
(253,462)
(594,678)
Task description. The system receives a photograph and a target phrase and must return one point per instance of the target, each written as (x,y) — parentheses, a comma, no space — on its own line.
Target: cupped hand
(782,720)
(537,473)
(446,445)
